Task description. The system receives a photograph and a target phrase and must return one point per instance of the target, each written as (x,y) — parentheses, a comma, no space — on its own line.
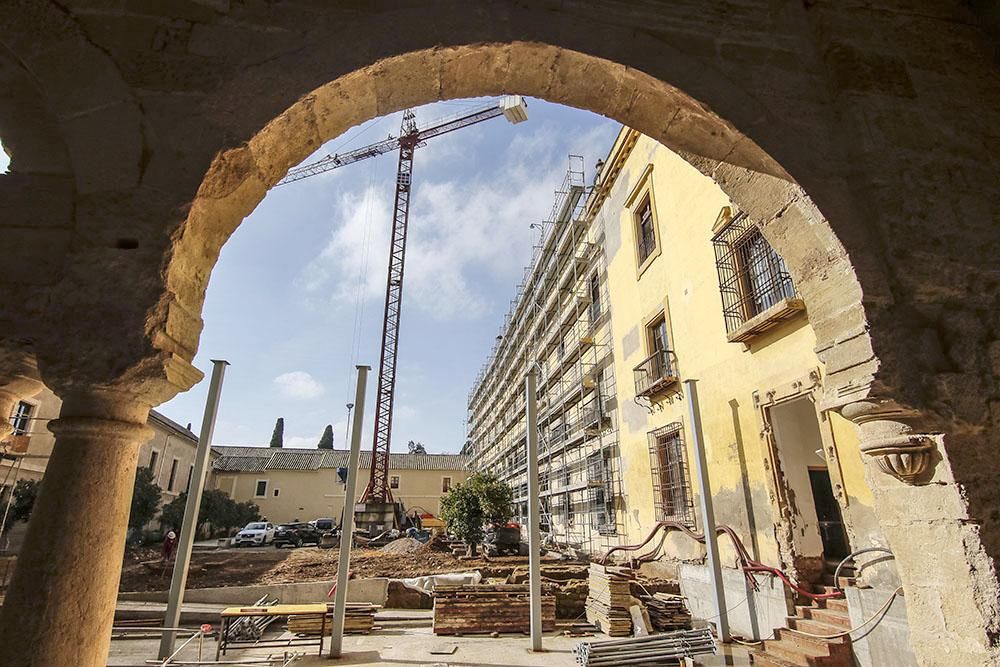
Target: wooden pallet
(359,618)
(667,612)
(475,609)
(609,599)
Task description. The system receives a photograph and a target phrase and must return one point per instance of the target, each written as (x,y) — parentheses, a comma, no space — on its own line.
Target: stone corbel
(890,442)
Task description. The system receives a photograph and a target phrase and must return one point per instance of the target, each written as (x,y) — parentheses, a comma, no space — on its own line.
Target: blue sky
(297,297)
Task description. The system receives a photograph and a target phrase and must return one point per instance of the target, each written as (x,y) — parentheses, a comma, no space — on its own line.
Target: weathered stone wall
(873,124)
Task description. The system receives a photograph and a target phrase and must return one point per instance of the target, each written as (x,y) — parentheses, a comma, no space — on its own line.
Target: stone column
(952,597)
(60,604)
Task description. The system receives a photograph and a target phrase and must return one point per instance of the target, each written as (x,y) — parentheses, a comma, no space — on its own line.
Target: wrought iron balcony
(656,373)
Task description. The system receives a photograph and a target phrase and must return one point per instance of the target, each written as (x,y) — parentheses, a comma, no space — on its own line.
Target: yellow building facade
(652,280)
(697,294)
(303,484)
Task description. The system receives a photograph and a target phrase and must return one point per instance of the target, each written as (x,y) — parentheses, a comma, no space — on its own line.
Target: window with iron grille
(752,276)
(645,231)
(671,482)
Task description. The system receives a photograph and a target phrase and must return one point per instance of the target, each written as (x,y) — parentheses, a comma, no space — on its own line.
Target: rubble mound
(404,545)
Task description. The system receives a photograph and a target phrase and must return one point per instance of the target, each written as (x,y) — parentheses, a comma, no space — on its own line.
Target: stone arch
(239,178)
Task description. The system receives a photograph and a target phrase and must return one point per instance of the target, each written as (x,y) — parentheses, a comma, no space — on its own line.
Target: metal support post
(189,525)
(347,523)
(707,510)
(534,533)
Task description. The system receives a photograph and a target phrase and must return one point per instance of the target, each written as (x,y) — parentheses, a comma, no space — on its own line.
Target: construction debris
(474,609)
(652,650)
(609,599)
(667,612)
(359,618)
(252,629)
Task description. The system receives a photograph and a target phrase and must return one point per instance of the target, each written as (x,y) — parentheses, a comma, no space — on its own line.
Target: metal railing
(656,372)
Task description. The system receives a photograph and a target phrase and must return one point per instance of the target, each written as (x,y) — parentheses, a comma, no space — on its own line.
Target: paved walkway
(413,646)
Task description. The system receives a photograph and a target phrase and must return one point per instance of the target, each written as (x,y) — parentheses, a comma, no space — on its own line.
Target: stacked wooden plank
(609,599)
(652,650)
(359,618)
(472,609)
(667,612)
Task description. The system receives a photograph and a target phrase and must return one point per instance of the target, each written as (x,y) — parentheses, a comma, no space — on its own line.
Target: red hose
(745,562)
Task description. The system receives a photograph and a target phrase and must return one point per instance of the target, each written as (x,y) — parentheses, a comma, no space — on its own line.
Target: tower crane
(377,496)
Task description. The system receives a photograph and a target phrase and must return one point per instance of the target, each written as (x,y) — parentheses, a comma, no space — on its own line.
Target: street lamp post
(350,406)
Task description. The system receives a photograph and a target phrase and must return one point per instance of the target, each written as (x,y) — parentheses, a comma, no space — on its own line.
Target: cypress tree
(326,440)
(278,437)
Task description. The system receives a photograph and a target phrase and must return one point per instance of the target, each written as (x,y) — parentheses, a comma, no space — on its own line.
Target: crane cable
(361,279)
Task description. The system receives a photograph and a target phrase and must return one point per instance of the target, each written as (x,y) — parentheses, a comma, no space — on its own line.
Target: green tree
(278,437)
(326,440)
(483,498)
(25,492)
(217,509)
(145,499)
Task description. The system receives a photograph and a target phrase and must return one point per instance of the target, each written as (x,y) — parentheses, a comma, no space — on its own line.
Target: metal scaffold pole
(347,524)
(707,510)
(191,508)
(534,532)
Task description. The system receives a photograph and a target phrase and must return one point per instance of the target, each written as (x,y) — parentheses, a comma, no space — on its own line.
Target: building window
(752,276)
(276,492)
(394,481)
(657,371)
(187,488)
(445,484)
(645,230)
(261,490)
(671,484)
(595,297)
(173,474)
(20,421)
(154,456)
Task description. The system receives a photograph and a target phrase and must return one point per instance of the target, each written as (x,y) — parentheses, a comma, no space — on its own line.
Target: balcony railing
(656,373)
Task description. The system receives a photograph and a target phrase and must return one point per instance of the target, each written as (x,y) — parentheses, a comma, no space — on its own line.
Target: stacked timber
(652,650)
(359,618)
(609,599)
(472,609)
(667,611)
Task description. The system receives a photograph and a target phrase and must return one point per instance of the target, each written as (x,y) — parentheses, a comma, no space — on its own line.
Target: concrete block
(752,614)
(887,642)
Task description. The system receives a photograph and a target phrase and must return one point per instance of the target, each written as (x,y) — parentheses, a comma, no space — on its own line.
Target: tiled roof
(259,459)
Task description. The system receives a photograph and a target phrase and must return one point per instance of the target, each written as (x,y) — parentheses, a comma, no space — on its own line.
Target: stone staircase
(793,647)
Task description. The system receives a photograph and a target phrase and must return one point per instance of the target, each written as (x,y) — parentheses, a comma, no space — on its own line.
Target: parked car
(255,534)
(324,525)
(296,534)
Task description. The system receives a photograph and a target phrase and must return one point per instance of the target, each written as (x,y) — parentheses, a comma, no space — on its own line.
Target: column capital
(890,438)
(123,395)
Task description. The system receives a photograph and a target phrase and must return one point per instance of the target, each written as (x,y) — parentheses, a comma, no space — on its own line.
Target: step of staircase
(834,617)
(813,627)
(836,604)
(795,654)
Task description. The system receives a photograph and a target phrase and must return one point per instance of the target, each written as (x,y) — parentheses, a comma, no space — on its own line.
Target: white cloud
(461,231)
(299,385)
(302,441)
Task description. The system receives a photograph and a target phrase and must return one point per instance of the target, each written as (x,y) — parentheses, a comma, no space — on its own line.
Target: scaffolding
(558,323)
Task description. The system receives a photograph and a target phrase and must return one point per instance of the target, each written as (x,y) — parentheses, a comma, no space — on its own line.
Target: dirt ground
(143,571)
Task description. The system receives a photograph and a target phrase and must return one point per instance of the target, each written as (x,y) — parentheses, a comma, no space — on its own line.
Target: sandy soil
(143,570)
